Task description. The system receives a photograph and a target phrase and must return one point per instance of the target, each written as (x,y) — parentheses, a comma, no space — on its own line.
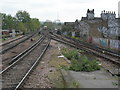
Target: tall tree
(21,27)
(8,22)
(21,22)
(23,16)
(34,24)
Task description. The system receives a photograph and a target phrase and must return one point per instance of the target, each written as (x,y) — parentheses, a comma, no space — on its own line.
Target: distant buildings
(107,26)
(103,31)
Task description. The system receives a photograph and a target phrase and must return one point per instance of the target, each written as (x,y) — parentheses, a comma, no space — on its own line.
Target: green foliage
(23,16)
(75,65)
(84,64)
(21,22)
(80,51)
(80,63)
(70,54)
(23,19)
(75,38)
(69,34)
(34,24)
(21,26)
(8,22)
(75,84)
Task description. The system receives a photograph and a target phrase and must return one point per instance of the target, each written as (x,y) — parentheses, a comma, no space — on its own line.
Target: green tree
(21,27)
(0,20)
(8,22)
(14,23)
(23,16)
(34,24)
(21,22)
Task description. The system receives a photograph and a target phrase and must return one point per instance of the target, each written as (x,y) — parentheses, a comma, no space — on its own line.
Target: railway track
(7,42)
(106,51)
(11,44)
(10,54)
(15,74)
(99,53)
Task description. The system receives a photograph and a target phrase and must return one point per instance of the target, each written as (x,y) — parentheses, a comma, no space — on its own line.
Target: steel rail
(12,46)
(21,55)
(84,48)
(33,66)
(22,76)
(7,42)
(96,47)
(91,46)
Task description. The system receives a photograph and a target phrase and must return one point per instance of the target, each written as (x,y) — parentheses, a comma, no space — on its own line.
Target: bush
(75,65)
(84,64)
(70,54)
(80,63)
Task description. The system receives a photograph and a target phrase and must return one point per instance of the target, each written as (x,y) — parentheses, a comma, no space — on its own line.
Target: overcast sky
(66,10)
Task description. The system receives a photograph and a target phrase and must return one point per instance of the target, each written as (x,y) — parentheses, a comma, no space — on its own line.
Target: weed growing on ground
(75,38)
(70,54)
(80,62)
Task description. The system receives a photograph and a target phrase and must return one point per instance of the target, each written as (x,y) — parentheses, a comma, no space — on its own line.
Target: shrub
(84,64)
(75,65)
(80,63)
(70,54)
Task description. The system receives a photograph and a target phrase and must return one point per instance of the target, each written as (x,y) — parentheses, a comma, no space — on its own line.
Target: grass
(75,37)
(74,84)
(56,78)
(57,63)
